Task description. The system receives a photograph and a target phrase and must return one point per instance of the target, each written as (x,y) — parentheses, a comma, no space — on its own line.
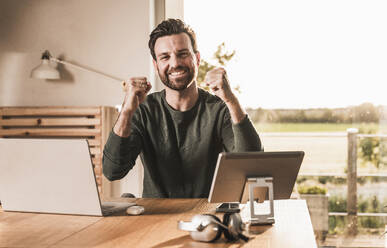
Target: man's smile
(177,74)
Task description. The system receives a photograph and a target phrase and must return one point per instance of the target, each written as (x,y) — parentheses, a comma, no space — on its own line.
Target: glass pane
(307,71)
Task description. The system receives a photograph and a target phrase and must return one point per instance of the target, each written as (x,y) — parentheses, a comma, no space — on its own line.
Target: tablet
(232,170)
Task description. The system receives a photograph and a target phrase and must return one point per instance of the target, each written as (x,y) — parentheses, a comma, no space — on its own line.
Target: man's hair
(170,27)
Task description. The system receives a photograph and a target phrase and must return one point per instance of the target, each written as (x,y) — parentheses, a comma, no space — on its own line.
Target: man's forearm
(136,90)
(123,124)
(119,155)
(237,113)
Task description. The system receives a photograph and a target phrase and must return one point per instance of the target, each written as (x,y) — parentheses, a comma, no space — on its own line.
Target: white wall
(109,36)
(174,9)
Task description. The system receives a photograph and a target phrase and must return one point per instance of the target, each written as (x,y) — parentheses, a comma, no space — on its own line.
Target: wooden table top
(157,227)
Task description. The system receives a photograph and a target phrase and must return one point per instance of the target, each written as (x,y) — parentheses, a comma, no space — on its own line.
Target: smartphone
(228,207)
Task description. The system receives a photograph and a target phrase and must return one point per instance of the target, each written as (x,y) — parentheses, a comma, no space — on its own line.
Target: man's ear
(155,64)
(197,54)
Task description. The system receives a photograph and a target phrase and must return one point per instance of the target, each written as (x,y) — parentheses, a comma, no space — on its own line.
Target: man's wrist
(238,114)
(127,112)
(122,126)
(232,99)
(123,132)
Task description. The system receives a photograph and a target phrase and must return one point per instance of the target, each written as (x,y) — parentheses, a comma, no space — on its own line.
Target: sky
(298,53)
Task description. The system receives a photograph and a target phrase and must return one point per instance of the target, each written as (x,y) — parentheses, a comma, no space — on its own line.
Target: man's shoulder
(151,105)
(153,100)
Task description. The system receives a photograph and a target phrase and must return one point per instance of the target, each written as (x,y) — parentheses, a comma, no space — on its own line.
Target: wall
(108,36)
(174,9)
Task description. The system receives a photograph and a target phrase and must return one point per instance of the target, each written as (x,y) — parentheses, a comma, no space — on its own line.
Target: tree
(365,112)
(222,57)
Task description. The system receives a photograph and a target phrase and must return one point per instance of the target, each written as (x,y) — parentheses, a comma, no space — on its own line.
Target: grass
(318,127)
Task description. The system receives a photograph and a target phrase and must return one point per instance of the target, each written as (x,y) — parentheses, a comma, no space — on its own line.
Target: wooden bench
(91,123)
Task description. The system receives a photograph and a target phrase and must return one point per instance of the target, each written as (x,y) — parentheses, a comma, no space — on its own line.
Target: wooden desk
(156,228)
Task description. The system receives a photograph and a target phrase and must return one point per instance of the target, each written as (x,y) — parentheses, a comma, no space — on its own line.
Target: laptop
(51,176)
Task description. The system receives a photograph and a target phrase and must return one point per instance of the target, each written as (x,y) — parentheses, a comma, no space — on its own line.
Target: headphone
(209,228)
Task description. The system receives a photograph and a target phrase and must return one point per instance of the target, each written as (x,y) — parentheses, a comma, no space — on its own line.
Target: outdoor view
(307,71)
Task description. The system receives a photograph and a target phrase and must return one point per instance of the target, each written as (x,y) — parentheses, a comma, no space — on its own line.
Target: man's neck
(182,100)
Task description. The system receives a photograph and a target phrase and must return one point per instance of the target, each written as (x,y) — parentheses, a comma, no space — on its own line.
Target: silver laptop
(50,176)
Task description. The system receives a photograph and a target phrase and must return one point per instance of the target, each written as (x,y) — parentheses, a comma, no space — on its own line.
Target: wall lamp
(46,71)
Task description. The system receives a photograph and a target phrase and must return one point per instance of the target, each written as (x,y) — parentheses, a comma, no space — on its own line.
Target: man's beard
(178,84)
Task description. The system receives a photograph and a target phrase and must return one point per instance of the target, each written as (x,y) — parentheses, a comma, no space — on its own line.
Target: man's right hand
(136,89)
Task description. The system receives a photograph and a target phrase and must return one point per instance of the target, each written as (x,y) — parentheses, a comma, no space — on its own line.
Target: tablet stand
(260,182)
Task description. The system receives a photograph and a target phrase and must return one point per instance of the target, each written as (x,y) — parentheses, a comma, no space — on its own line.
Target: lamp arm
(88,69)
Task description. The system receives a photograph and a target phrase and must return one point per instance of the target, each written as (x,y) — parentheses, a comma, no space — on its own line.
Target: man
(180,131)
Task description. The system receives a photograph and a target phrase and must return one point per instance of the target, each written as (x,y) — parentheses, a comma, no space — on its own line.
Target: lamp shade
(45,71)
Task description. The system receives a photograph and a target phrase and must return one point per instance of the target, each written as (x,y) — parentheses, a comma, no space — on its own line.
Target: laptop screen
(48,176)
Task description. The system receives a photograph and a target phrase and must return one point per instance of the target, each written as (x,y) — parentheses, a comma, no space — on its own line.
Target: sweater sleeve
(240,137)
(120,154)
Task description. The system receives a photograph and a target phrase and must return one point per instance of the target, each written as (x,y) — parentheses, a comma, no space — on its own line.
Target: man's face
(176,62)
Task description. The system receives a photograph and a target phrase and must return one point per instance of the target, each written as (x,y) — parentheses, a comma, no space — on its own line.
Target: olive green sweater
(179,150)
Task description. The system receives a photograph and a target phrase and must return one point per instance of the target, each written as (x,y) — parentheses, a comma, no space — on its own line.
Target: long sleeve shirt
(179,150)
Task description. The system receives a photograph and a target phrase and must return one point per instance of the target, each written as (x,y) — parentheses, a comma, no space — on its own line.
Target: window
(307,71)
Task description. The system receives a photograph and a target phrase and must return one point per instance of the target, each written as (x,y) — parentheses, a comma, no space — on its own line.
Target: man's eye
(164,57)
(185,54)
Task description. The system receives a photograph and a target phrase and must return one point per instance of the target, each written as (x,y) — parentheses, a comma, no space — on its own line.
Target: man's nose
(174,61)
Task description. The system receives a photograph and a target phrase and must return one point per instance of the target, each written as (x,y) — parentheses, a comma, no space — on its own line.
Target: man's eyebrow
(178,51)
(162,54)
(183,50)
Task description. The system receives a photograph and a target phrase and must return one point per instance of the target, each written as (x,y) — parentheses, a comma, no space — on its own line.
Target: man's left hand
(217,81)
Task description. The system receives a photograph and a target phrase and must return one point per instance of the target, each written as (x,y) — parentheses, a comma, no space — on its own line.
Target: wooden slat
(96,162)
(95,150)
(98,171)
(43,122)
(50,132)
(108,117)
(98,178)
(94,142)
(98,156)
(97,166)
(49,111)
